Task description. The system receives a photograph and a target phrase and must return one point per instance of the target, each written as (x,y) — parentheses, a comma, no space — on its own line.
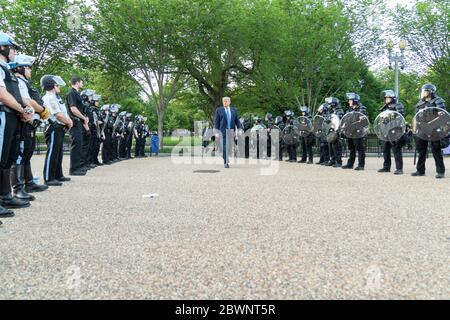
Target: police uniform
(54,137)
(355,145)
(108,123)
(291,148)
(129,129)
(279,121)
(140,136)
(422,145)
(115,141)
(21,173)
(9,138)
(396,146)
(335,148)
(307,142)
(77,132)
(324,148)
(95,142)
(93,137)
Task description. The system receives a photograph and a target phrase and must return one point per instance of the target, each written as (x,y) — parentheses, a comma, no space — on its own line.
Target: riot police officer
(139,135)
(87,97)
(21,175)
(107,129)
(257,130)
(121,135)
(129,129)
(269,125)
(291,146)
(335,147)
(116,131)
(279,122)
(429,100)
(95,122)
(391,103)
(324,147)
(356,145)
(11,108)
(246,125)
(307,141)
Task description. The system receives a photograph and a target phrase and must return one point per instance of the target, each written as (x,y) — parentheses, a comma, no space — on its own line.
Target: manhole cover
(206,171)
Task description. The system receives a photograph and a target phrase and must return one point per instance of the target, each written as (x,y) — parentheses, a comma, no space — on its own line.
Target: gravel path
(307,232)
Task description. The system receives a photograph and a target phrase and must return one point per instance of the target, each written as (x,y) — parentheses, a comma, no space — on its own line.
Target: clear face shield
(59,81)
(425,94)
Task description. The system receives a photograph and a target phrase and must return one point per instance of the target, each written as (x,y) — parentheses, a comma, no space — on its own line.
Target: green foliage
(426,27)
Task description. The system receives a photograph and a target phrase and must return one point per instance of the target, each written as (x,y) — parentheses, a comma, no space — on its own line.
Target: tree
(426,27)
(137,37)
(45,30)
(220,43)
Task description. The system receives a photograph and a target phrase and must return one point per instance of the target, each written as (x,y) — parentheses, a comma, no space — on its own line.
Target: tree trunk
(160,129)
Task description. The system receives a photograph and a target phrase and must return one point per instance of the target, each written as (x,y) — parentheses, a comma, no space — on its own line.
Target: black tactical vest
(12,84)
(34,94)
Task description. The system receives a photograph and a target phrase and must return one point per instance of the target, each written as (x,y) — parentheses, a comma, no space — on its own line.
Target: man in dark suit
(227,121)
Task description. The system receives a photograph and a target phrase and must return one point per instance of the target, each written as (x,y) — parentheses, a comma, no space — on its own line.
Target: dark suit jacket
(221,119)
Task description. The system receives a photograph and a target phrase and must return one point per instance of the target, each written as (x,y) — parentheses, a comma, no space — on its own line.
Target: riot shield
(257,133)
(389,126)
(330,127)
(317,124)
(355,125)
(305,126)
(96,123)
(431,124)
(291,134)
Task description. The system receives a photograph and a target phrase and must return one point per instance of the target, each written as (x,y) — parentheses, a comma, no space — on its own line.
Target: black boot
(10,202)
(18,182)
(6,198)
(30,185)
(5,213)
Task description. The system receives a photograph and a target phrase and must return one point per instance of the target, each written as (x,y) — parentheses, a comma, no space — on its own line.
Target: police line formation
(331,124)
(23,110)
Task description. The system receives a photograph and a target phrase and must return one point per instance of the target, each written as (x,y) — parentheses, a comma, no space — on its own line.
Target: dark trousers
(86,143)
(76,149)
(140,147)
(307,149)
(292,152)
(9,148)
(114,147)
(27,144)
(122,147)
(398,156)
(324,151)
(360,146)
(94,148)
(422,146)
(129,145)
(335,150)
(106,150)
(269,146)
(53,160)
(21,171)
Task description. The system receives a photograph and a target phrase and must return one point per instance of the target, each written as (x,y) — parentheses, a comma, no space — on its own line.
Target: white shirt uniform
(2,74)
(56,105)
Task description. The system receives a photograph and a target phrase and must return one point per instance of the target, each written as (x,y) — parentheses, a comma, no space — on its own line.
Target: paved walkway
(306,232)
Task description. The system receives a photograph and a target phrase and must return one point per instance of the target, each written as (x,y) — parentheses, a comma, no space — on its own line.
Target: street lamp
(397,59)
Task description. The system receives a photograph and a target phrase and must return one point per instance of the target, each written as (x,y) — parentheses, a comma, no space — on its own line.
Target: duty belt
(54,123)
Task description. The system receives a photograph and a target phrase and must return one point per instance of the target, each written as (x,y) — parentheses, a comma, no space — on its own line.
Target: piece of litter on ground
(152,195)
